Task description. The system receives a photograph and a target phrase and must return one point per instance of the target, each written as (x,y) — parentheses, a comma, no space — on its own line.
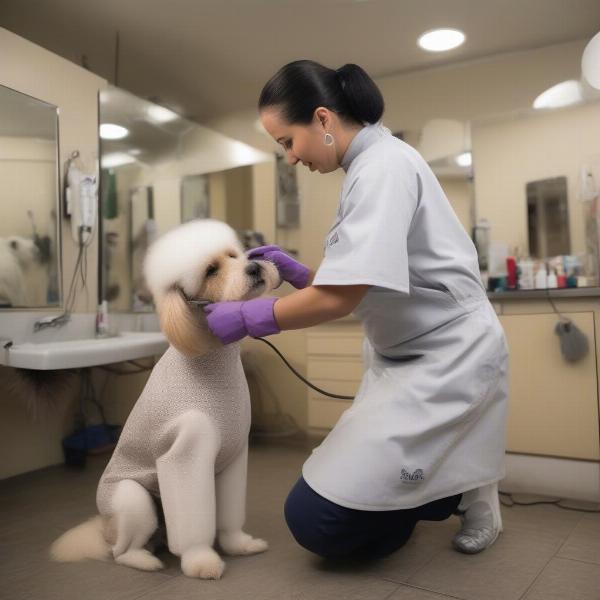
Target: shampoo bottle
(541,278)
(526,281)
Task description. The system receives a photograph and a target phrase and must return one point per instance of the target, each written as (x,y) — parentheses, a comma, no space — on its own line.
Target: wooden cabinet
(334,363)
(553,403)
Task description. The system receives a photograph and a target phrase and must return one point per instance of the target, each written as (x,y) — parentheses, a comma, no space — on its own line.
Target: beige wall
(218,195)
(509,153)
(459,192)
(25,443)
(239,198)
(319,198)
(263,205)
(497,85)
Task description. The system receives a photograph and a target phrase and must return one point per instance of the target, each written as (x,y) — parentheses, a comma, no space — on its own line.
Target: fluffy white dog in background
(18,255)
(185,442)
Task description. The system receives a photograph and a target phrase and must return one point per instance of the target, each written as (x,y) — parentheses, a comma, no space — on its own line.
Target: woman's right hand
(290,270)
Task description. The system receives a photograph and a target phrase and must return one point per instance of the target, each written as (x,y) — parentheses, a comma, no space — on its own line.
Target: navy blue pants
(333,531)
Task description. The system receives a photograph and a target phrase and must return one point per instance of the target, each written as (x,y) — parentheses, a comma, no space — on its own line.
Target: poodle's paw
(139,558)
(238,543)
(202,562)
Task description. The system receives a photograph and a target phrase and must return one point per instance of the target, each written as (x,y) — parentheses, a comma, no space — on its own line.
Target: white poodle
(184,446)
(17,256)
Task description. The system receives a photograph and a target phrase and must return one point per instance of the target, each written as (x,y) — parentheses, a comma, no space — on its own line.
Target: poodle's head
(201,259)
(24,250)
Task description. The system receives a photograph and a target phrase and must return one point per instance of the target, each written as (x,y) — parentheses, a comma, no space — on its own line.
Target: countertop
(583,292)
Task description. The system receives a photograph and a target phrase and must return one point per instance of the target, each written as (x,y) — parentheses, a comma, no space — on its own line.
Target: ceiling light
(242,154)
(559,95)
(115,159)
(110,131)
(440,40)
(590,62)
(464,159)
(160,114)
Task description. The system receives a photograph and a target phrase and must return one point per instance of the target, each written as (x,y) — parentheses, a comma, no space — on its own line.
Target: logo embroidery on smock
(415,477)
(334,239)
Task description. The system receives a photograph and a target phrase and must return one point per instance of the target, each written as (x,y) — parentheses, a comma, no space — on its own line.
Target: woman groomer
(424,437)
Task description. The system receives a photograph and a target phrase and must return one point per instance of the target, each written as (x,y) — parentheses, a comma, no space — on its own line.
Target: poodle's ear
(185,326)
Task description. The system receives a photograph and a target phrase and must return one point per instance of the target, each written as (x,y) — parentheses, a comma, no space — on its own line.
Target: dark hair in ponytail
(300,87)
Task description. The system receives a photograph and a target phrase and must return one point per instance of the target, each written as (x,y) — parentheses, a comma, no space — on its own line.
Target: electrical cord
(79,270)
(560,315)
(308,383)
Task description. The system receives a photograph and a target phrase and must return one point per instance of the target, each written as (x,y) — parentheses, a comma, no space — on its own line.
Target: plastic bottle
(511,273)
(561,278)
(552,280)
(481,239)
(541,278)
(102,319)
(526,280)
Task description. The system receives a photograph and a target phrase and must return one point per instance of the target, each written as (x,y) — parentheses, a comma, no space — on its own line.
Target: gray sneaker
(481,521)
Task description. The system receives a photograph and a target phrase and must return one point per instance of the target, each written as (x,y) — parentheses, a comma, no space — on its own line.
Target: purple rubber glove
(290,270)
(231,321)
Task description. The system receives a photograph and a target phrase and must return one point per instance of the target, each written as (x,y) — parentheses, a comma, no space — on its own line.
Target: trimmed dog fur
(185,442)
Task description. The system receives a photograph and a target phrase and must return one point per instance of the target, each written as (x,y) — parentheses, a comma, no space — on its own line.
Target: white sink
(68,354)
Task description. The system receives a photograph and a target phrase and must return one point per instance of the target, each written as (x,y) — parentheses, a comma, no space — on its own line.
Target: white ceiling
(206,58)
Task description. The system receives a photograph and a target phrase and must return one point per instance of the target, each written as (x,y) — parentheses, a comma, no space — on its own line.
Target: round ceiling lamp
(441,40)
(590,62)
(559,95)
(110,131)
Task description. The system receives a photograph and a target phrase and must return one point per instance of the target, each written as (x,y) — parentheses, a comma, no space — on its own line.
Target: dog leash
(201,303)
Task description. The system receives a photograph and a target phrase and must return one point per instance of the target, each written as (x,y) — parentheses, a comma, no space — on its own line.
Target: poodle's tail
(82,542)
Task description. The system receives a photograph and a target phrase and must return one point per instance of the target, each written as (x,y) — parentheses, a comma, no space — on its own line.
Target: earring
(328,139)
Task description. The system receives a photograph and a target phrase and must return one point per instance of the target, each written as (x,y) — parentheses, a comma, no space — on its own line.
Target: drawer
(342,344)
(347,369)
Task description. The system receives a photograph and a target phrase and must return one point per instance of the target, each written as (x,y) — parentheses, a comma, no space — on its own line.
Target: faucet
(51,321)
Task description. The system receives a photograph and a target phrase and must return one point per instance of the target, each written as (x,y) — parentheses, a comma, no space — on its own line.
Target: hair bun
(362,94)
(301,86)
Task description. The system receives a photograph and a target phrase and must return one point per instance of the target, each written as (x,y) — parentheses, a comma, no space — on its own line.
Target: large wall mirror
(533,179)
(530,175)
(29,205)
(548,218)
(160,170)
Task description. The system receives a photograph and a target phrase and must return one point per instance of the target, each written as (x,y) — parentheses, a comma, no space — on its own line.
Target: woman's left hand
(289,268)
(232,321)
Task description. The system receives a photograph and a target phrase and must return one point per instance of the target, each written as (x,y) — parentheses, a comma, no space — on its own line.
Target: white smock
(429,418)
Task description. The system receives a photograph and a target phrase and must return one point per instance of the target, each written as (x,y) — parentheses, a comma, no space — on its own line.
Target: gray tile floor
(544,554)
